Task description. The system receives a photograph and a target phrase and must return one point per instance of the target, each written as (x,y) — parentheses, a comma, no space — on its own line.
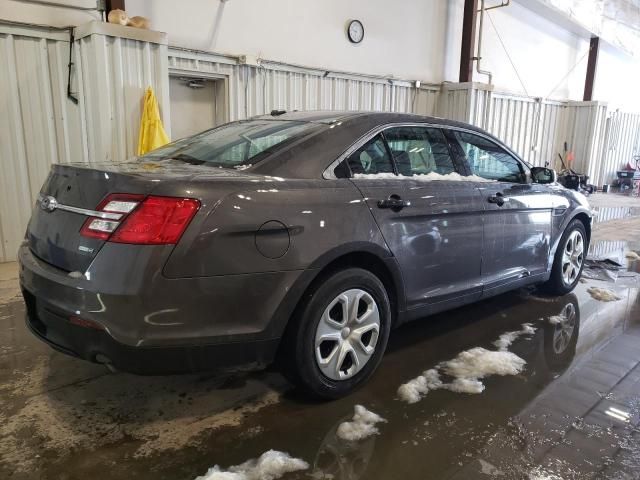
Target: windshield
(235,145)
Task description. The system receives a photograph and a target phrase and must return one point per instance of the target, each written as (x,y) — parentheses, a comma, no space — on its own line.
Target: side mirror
(543,175)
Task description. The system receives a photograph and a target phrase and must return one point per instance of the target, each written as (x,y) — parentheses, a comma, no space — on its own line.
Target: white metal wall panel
(38,126)
(465,102)
(547,134)
(454,102)
(622,143)
(584,132)
(528,125)
(41,126)
(114,73)
(258,90)
(267,89)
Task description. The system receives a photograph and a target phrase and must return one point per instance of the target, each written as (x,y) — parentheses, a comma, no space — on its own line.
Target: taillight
(158,220)
(145,221)
(113,209)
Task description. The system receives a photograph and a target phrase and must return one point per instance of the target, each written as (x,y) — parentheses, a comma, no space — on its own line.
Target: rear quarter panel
(302,219)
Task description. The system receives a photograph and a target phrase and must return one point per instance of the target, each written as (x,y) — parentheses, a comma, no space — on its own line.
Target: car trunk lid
(72,191)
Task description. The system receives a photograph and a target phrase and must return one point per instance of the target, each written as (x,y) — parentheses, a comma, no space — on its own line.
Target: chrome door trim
(328,172)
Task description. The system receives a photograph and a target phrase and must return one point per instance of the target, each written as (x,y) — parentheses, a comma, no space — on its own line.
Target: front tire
(339,334)
(569,260)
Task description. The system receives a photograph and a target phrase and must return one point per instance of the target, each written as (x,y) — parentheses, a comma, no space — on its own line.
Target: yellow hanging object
(152,134)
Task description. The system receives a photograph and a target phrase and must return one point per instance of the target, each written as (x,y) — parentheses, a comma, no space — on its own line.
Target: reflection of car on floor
(299,236)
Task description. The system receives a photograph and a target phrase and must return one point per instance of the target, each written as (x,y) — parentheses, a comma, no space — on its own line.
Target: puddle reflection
(519,426)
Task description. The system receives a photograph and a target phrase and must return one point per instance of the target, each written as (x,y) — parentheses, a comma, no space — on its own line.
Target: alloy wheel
(572,257)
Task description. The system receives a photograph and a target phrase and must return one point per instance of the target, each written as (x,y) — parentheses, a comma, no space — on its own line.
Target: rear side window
(489,160)
(419,150)
(235,145)
(371,159)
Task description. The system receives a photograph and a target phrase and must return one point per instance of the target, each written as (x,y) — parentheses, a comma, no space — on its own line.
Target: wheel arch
(586,221)
(584,217)
(370,257)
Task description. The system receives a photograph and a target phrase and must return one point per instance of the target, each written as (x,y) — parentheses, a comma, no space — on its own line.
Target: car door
(517,213)
(431,223)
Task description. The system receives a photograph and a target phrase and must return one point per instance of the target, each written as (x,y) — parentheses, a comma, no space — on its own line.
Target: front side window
(488,160)
(371,159)
(419,150)
(235,145)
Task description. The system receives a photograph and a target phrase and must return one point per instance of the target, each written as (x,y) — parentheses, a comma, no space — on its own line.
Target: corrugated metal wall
(465,102)
(258,90)
(584,133)
(40,125)
(528,125)
(621,144)
(537,129)
(113,73)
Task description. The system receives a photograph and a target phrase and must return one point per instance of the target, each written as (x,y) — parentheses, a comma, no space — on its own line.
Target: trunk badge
(48,203)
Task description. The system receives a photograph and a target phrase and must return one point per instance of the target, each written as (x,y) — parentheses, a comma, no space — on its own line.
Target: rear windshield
(235,145)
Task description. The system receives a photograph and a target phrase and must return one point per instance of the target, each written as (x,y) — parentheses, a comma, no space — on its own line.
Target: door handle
(394,202)
(498,199)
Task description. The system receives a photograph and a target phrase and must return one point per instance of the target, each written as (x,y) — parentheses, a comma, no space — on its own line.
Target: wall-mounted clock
(355,31)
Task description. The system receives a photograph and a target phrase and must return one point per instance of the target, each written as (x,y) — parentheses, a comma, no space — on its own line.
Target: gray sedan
(299,237)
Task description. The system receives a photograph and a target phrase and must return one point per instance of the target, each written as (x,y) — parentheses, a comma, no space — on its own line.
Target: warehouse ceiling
(617,22)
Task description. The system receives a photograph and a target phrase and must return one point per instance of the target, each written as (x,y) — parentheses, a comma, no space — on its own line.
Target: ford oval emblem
(48,203)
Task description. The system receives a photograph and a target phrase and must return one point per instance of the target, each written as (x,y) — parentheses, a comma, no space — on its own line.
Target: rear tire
(338,335)
(569,260)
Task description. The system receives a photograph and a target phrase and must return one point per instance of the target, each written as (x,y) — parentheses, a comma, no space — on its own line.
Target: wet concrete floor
(572,413)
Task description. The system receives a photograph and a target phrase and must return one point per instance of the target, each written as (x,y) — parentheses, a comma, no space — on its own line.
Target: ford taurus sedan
(301,237)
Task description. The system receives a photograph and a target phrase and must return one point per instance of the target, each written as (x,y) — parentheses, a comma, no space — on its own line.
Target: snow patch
(479,363)
(469,368)
(466,385)
(270,466)
(362,426)
(506,339)
(427,177)
(603,294)
(414,390)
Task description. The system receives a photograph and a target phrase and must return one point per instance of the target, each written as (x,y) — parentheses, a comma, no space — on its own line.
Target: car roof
(341,130)
(332,116)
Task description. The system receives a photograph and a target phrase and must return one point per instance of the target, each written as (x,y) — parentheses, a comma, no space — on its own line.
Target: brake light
(158,220)
(145,221)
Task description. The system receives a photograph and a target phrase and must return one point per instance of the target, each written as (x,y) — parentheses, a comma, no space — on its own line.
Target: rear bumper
(98,346)
(169,326)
